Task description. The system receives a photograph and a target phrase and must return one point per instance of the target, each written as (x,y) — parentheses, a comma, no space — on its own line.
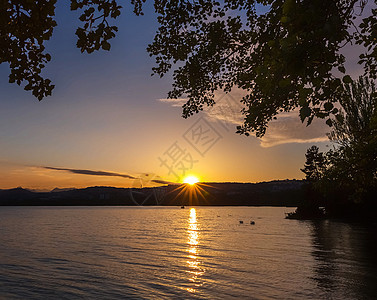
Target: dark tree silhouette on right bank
(282,53)
(346,176)
(315,164)
(314,169)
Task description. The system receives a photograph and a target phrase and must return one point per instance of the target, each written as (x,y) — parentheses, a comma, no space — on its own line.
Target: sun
(191,180)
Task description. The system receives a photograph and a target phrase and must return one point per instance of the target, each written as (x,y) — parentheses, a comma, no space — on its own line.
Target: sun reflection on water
(195,270)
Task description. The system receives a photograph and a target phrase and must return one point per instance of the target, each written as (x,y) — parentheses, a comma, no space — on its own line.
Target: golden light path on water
(195,270)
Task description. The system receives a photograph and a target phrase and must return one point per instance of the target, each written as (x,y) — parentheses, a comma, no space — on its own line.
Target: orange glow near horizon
(33,177)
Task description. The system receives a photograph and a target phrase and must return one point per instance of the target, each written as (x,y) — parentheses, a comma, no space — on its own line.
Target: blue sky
(105,114)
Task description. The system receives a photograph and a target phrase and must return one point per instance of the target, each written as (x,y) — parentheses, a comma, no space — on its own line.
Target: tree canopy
(284,53)
(315,164)
(346,176)
(354,161)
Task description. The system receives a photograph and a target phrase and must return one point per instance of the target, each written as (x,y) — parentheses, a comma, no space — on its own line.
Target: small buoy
(241,222)
(252,223)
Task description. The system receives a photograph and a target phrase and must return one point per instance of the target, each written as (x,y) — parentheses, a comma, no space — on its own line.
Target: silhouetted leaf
(328,106)
(347,79)
(305,112)
(106,46)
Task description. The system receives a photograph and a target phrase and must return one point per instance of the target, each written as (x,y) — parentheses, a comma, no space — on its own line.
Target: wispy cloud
(103,173)
(288,128)
(174,102)
(227,109)
(285,130)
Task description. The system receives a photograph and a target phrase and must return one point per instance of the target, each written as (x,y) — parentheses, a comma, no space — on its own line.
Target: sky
(107,113)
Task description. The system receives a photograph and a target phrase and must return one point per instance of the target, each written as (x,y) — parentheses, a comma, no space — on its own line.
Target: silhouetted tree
(348,177)
(283,53)
(314,169)
(315,164)
(353,165)
(356,121)
(24,27)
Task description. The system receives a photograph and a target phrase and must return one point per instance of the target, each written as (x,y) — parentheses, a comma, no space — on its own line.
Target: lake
(168,252)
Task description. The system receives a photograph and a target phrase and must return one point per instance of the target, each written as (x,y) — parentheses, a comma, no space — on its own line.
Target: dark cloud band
(92,173)
(103,173)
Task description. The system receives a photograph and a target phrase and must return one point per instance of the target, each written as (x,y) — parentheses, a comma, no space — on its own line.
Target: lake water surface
(168,252)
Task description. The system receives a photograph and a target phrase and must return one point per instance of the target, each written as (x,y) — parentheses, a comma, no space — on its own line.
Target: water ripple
(198,253)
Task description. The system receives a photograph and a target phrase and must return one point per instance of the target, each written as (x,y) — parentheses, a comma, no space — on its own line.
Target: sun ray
(192,190)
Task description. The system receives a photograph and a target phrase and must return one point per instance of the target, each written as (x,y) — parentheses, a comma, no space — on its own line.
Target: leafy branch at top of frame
(96,31)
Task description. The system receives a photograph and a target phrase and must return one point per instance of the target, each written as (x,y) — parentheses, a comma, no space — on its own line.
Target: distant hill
(16,196)
(61,190)
(273,193)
